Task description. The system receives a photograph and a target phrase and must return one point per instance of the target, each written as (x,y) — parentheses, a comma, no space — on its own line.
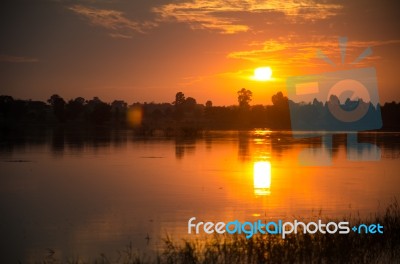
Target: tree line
(184,113)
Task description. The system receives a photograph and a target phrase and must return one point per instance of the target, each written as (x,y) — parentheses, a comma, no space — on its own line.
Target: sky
(147,51)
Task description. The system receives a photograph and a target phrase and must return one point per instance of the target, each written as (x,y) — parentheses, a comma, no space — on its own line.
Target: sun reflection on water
(262,177)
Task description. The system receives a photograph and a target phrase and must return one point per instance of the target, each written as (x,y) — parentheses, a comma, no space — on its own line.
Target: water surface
(82,194)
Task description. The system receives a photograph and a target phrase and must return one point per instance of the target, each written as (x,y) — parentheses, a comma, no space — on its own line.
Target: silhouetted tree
(6,105)
(279,113)
(35,111)
(190,104)
(6,99)
(258,116)
(189,116)
(244,98)
(391,115)
(317,103)
(119,110)
(13,110)
(190,101)
(156,114)
(58,105)
(279,100)
(99,112)
(179,99)
(75,108)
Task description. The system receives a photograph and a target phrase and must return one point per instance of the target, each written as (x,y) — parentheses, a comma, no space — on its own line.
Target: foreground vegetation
(300,248)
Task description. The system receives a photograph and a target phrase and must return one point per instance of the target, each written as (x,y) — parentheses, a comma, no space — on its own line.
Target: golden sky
(143,51)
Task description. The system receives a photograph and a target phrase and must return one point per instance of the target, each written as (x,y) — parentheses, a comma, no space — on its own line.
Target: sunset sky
(143,51)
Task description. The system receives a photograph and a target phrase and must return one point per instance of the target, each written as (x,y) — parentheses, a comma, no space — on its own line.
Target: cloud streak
(17,59)
(115,21)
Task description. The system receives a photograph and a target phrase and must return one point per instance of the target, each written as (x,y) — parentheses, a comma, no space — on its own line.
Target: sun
(262,74)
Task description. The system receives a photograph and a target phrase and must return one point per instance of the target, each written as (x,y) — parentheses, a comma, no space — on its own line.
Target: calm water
(86,194)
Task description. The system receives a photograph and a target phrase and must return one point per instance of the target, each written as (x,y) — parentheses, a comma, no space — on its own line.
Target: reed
(295,248)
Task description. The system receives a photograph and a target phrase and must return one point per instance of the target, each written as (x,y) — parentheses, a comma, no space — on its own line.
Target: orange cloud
(292,52)
(115,21)
(224,16)
(221,15)
(201,14)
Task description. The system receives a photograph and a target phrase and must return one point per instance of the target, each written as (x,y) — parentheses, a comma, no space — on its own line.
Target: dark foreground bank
(299,248)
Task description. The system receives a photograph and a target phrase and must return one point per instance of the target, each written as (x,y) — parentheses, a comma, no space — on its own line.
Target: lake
(87,193)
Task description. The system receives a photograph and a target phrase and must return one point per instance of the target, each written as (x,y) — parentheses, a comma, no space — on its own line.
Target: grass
(299,248)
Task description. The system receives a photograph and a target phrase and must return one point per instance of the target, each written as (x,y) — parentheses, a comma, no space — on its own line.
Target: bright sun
(262,74)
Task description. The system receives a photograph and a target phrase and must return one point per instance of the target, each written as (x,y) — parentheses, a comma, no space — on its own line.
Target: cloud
(17,59)
(375,43)
(114,21)
(301,10)
(294,52)
(202,14)
(223,15)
